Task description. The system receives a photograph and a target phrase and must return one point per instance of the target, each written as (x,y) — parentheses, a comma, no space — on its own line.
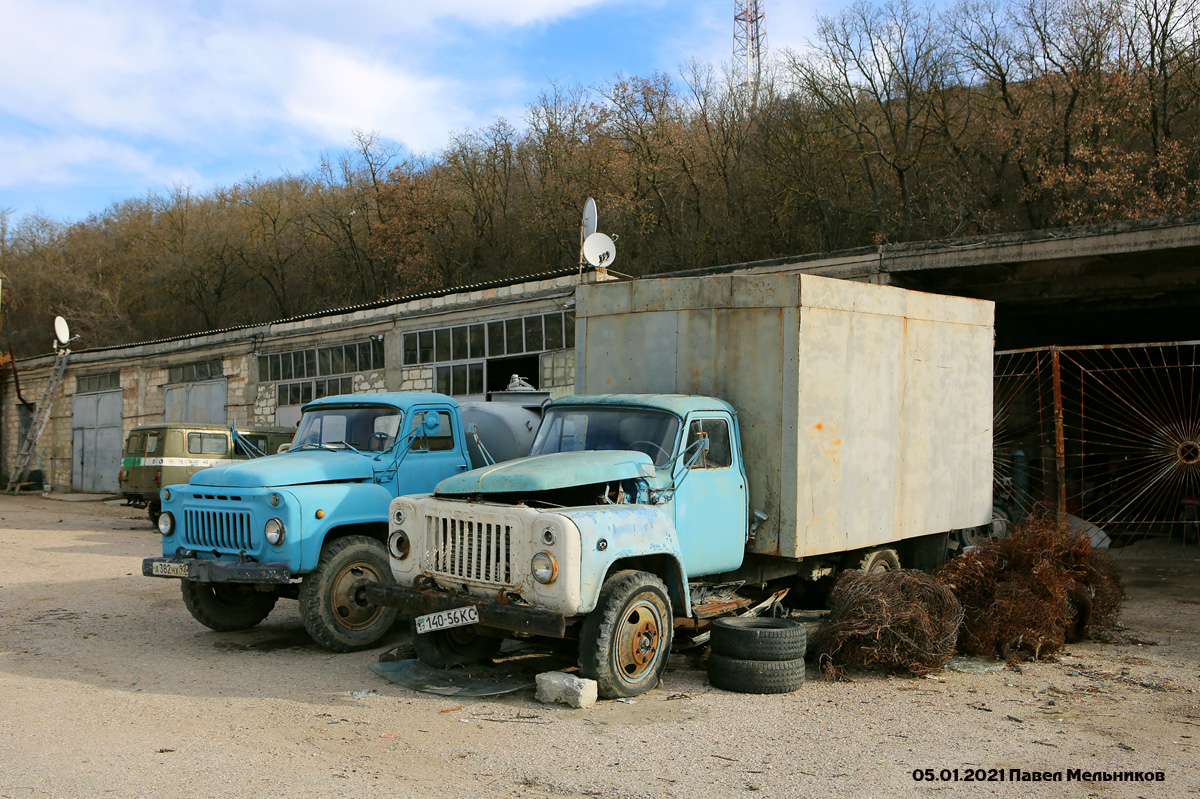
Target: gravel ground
(109,689)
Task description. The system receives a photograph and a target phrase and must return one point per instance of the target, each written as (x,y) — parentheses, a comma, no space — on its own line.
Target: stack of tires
(753,655)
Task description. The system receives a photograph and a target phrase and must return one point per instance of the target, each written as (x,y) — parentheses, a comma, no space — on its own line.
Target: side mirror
(432,424)
(701,453)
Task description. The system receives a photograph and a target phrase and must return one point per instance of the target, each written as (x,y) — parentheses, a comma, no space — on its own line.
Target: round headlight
(166,495)
(166,522)
(399,545)
(398,516)
(274,499)
(544,567)
(548,537)
(274,531)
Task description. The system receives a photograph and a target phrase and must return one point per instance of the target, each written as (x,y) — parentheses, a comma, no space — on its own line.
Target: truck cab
(623,500)
(309,523)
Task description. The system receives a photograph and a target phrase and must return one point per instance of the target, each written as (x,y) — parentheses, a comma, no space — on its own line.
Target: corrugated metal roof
(365,306)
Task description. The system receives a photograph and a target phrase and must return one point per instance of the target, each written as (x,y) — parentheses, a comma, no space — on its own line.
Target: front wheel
(154,510)
(625,641)
(457,646)
(332,605)
(226,607)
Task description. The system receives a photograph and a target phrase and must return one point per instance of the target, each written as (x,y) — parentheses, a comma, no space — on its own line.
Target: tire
(755,676)
(330,604)
(879,560)
(154,510)
(624,643)
(458,646)
(755,638)
(226,607)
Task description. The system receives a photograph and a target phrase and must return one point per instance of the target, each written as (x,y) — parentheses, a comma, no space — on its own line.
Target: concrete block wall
(370,382)
(237,370)
(416,378)
(53,453)
(263,411)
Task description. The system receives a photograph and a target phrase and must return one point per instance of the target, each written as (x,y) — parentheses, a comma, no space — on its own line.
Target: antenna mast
(749,43)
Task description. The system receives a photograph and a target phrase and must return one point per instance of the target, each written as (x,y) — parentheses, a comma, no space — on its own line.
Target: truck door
(432,458)
(711,511)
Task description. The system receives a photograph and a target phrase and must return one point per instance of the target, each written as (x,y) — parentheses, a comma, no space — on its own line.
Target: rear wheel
(458,646)
(226,607)
(335,612)
(625,641)
(879,560)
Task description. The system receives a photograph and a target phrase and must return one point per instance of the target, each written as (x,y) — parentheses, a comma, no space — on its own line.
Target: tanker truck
(763,430)
(310,523)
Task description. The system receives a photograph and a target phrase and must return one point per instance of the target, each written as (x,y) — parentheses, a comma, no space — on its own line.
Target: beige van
(157,455)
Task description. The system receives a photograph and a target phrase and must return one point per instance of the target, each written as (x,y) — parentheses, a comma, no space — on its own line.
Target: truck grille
(217,529)
(470,549)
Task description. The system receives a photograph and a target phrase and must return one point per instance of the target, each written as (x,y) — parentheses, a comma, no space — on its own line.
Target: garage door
(96,442)
(195,403)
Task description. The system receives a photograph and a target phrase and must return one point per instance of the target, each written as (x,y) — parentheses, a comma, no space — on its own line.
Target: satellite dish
(589,218)
(599,250)
(61,330)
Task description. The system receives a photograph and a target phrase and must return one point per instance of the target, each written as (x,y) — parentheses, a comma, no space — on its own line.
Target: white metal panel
(849,413)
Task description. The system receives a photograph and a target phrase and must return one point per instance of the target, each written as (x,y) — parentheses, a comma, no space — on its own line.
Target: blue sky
(105,100)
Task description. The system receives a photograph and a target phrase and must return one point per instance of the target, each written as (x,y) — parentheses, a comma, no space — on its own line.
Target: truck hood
(544,472)
(289,469)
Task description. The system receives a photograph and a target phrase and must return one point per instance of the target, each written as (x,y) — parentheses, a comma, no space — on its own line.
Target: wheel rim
(637,646)
(344,596)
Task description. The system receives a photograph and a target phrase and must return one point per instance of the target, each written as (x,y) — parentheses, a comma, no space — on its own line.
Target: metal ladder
(41,416)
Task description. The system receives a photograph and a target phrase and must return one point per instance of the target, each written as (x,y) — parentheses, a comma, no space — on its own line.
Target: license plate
(445,619)
(169,569)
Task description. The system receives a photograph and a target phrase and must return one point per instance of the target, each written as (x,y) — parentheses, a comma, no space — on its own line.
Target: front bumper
(497,615)
(205,570)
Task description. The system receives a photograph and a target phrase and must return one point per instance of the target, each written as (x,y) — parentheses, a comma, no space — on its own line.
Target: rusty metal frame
(1125,425)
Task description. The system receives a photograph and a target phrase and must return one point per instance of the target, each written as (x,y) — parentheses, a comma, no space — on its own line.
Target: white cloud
(145,92)
(60,158)
(332,91)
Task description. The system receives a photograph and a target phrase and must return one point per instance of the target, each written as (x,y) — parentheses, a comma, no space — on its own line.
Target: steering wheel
(651,443)
(382,438)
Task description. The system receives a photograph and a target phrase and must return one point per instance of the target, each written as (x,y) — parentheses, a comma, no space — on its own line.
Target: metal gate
(96,442)
(1110,434)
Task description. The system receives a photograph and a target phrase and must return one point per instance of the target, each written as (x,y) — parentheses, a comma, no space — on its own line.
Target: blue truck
(764,431)
(310,523)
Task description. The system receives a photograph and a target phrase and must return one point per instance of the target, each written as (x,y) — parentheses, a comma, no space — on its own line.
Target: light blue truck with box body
(768,430)
(310,523)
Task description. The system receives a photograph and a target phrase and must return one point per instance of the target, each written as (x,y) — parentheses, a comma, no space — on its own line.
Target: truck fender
(638,537)
(351,508)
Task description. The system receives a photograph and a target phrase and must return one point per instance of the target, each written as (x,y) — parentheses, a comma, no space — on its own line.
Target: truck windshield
(367,429)
(576,429)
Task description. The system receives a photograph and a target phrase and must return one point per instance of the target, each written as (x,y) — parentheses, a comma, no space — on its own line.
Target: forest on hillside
(900,124)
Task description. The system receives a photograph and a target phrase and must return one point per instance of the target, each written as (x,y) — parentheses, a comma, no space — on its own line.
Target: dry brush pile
(1030,593)
(1021,596)
(900,619)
